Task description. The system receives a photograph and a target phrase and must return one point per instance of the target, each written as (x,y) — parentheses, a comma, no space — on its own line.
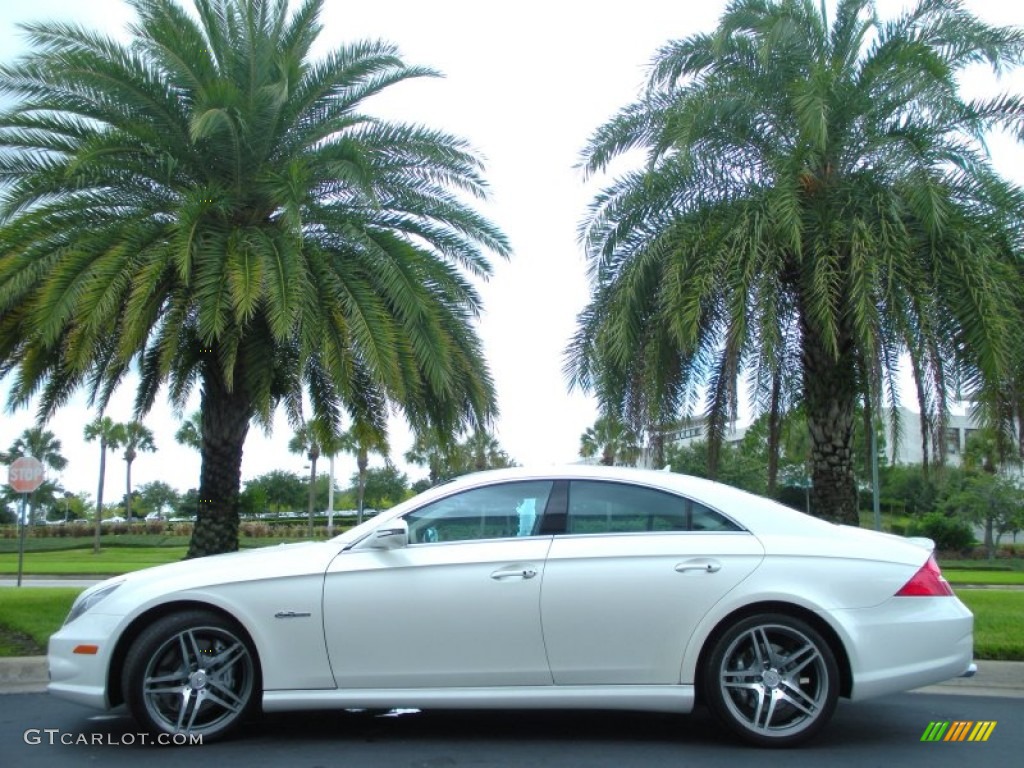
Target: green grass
(958,576)
(114,557)
(998,622)
(110,560)
(144,541)
(28,617)
(999,564)
(63,544)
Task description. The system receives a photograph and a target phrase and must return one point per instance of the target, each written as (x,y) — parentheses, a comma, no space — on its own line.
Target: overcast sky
(527,83)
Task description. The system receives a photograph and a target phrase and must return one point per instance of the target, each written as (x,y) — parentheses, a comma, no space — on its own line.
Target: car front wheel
(772,680)
(190,673)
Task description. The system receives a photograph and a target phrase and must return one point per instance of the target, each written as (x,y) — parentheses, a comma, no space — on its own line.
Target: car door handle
(701,564)
(511,573)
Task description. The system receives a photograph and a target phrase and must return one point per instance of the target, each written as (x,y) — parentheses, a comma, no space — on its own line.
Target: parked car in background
(577,587)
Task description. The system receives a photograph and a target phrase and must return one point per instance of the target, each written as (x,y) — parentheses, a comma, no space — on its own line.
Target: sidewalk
(27,674)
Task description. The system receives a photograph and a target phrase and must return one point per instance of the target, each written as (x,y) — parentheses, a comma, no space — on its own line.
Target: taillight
(927,582)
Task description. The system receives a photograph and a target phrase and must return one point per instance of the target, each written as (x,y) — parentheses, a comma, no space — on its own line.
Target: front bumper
(77,676)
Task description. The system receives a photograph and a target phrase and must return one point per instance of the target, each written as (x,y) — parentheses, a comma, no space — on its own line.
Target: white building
(908,449)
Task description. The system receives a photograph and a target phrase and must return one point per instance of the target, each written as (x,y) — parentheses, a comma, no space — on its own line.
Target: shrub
(948,533)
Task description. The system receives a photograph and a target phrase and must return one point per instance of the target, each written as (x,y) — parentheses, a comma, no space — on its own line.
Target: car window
(601,507)
(494,512)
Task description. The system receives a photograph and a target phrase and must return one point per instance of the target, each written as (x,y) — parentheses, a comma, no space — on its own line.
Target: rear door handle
(518,571)
(699,564)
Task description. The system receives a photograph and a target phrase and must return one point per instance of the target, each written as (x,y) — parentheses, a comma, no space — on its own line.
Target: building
(908,450)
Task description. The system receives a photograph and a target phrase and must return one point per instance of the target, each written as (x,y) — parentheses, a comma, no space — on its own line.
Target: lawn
(957,576)
(998,622)
(110,560)
(28,617)
(114,558)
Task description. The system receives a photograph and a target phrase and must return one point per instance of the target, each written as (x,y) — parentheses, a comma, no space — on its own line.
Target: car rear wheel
(772,680)
(191,673)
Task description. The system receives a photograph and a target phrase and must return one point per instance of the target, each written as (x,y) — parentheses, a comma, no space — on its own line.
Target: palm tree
(610,437)
(135,436)
(307,440)
(41,444)
(110,434)
(360,439)
(435,451)
(817,202)
(483,451)
(208,203)
(190,433)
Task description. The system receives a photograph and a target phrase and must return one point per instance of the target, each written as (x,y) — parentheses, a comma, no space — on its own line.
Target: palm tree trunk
(226,417)
(774,432)
(128,497)
(312,490)
(99,497)
(830,393)
(362,460)
(330,497)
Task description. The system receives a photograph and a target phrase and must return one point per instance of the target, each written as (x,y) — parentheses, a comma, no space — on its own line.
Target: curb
(23,674)
(994,678)
(29,674)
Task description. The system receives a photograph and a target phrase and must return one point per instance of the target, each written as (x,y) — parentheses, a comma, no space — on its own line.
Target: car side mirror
(394,535)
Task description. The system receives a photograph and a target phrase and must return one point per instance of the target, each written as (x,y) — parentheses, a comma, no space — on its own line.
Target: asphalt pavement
(40,731)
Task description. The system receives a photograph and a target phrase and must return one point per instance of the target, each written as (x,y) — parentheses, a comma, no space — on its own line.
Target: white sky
(526,83)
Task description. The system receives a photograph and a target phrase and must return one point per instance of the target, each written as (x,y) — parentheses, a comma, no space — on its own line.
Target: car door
(629,579)
(458,606)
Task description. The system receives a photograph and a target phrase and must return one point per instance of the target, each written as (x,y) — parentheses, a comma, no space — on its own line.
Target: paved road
(885,732)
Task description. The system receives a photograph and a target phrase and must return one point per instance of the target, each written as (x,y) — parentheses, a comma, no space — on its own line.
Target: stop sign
(25,474)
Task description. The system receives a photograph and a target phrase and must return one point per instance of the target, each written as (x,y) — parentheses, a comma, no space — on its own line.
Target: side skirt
(644,698)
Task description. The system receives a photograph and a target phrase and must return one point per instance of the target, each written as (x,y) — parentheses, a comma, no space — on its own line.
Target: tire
(193,673)
(772,680)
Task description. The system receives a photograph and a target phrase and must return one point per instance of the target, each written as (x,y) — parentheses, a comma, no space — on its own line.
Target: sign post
(24,476)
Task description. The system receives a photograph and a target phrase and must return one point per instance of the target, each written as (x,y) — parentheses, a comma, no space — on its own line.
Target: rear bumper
(906,643)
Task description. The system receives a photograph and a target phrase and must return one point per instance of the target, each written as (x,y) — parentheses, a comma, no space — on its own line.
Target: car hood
(257,564)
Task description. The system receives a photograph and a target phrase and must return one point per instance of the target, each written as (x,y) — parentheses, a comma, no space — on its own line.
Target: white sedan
(579,587)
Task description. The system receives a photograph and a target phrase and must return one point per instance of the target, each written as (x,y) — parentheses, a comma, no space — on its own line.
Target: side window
(601,507)
(494,512)
(704,519)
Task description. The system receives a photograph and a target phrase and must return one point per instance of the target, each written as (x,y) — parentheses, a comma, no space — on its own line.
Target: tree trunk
(129,457)
(330,497)
(226,417)
(608,456)
(774,432)
(313,456)
(99,496)
(830,396)
(657,446)
(362,461)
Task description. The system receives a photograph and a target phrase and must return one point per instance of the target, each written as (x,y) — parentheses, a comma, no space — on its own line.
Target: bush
(948,533)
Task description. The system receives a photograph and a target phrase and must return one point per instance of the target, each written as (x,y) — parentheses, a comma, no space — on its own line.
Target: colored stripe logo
(958,730)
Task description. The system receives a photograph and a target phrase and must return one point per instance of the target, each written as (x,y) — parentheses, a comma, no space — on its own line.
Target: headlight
(89,598)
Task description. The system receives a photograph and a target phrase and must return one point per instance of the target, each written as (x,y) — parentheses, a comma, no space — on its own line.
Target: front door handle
(517,571)
(699,564)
